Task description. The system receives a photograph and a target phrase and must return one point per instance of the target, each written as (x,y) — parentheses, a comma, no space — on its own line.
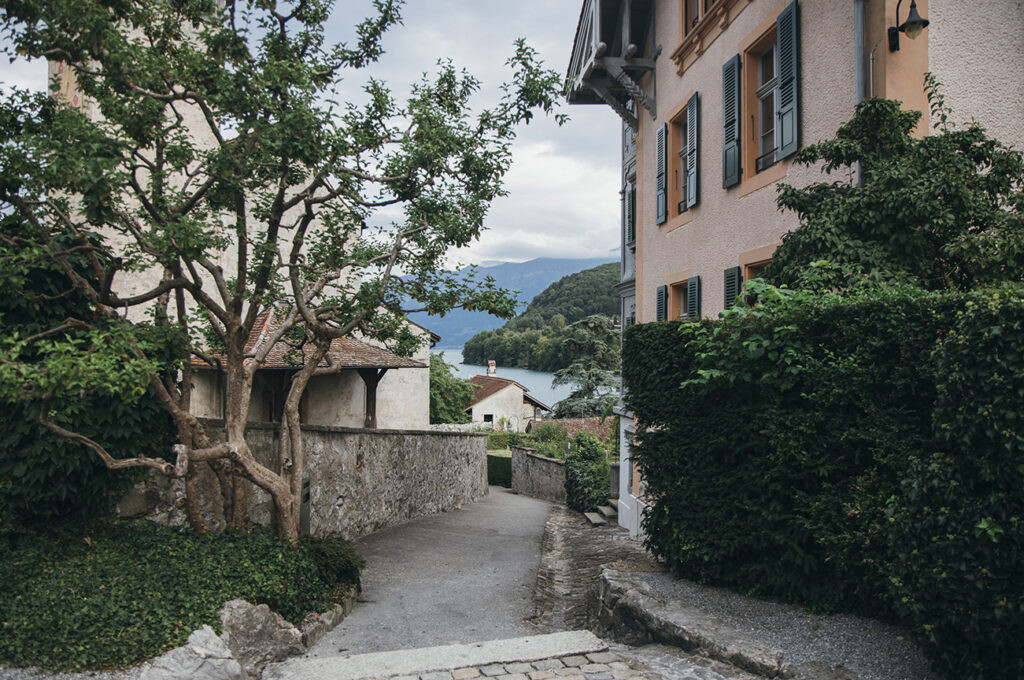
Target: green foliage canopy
(449,395)
(942,211)
(220,167)
(592,342)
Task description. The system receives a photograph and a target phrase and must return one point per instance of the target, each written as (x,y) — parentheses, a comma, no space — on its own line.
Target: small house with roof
(373,388)
(503,404)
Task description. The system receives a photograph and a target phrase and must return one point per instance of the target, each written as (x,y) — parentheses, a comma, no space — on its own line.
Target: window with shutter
(731,122)
(733,284)
(788,125)
(661,175)
(693,297)
(692,154)
(630,213)
(770,94)
(662,303)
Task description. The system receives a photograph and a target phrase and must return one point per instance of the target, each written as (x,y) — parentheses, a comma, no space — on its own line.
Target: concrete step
(415,662)
(607,511)
(595,519)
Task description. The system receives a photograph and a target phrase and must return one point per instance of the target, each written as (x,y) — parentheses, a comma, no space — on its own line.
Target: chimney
(491,367)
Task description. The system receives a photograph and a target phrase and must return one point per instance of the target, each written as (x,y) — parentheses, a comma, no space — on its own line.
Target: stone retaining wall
(360,480)
(537,476)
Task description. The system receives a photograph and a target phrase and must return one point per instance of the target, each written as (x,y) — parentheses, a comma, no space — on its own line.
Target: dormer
(610,53)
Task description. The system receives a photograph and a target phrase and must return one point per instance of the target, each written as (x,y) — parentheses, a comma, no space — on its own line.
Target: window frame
(754,172)
(766,88)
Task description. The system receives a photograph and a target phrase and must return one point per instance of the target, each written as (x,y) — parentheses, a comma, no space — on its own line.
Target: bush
(586,474)
(549,432)
(861,454)
(336,559)
(956,545)
(100,595)
(499,439)
(551,449)
(52,476)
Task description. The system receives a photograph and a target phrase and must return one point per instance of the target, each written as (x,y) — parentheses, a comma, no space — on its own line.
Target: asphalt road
(462,576)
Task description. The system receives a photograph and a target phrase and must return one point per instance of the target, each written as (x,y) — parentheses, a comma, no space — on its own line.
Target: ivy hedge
(863,454)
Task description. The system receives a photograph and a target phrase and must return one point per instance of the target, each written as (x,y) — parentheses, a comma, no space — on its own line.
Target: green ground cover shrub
(862,455)
(100,595)
(586,474)
(499,439)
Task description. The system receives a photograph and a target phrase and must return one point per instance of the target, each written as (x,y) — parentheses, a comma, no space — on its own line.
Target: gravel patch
(872,650)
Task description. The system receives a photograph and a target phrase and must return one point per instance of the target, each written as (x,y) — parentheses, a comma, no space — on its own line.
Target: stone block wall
(537,476)
(359,480)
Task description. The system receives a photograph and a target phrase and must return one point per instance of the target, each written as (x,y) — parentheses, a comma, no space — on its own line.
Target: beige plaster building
(374,387)
(717,95)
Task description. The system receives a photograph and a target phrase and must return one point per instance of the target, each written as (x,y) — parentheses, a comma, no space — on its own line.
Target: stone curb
(330,619)
(433,659)
(633,615)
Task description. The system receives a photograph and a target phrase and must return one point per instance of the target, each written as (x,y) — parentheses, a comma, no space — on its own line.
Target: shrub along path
(460,576)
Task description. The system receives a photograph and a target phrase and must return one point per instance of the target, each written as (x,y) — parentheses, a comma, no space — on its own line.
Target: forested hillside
(576,296)
(534,338)
(529,278)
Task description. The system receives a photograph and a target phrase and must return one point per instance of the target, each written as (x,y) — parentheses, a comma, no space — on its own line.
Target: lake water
(538,383)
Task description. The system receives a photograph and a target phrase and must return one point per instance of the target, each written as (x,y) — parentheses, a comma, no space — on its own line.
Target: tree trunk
(192,509)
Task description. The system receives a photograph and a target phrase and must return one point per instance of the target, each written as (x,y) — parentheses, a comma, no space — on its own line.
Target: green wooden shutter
(733,284)
(731,122)
(693,297)
(661,179)
(787,128)
(630,213)
(662,311)
(692,152)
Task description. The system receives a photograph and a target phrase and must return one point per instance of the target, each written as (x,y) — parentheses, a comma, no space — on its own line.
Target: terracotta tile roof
(489,384)
(346,352)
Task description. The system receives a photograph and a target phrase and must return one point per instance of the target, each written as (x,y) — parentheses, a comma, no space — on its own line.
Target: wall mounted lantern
(913,26)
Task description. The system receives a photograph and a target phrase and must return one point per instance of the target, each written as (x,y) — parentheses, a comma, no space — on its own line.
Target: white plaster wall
(976,50)
(403,399)
(724,223)
(506,403)
(206,394)
(336,400)
(403,394)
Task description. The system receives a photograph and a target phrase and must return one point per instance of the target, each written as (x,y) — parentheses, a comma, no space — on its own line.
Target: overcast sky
(563,187)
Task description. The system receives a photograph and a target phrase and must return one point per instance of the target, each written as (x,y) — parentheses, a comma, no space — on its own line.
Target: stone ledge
(629,613)
(632,614)
(329,620)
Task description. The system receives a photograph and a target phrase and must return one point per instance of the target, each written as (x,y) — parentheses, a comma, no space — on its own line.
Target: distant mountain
(529,278)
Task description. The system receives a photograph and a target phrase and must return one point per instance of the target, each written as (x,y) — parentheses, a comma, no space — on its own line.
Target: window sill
(765,177)
(680,220)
